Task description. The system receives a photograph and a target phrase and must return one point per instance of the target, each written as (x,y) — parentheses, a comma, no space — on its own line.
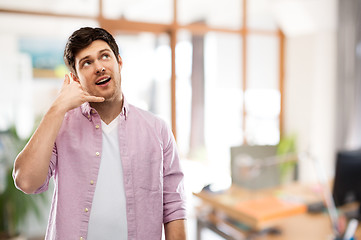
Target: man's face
(99,71)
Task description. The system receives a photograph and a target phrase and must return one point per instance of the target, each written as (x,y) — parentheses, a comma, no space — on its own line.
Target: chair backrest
(248,169)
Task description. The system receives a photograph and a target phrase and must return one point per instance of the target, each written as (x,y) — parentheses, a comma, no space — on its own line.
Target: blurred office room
(223,74)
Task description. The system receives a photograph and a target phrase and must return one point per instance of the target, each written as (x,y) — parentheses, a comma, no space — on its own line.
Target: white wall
(310,87)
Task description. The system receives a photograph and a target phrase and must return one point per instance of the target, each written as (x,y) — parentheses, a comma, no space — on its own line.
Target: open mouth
(103,81)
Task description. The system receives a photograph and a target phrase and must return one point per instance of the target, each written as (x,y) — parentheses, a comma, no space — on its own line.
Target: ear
(74,77)
(120,62)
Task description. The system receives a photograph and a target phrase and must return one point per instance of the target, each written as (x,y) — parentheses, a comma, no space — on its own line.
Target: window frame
(125,26)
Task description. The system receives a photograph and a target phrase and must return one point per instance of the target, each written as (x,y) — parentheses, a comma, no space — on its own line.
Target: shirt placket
(96,157)
(128,180)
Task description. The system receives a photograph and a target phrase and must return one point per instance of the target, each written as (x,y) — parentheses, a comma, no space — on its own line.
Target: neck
(108,110)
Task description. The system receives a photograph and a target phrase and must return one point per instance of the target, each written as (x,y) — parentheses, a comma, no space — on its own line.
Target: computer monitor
(347,182)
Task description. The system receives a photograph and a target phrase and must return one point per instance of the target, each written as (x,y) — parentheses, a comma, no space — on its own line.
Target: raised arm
(32,164)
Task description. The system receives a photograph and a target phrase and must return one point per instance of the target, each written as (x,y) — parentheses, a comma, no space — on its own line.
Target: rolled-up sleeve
(51,170)
(174,202)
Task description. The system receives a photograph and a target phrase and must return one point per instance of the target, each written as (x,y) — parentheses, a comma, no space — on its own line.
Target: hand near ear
(32,164)
(72,95)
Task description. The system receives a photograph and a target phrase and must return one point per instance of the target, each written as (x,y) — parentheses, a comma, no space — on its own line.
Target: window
(146,72)
(215,78)
(262,96)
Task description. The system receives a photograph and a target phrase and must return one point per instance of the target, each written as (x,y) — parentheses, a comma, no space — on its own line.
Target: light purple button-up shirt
(153,180)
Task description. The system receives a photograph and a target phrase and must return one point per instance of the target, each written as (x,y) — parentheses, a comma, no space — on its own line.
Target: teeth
(103,80)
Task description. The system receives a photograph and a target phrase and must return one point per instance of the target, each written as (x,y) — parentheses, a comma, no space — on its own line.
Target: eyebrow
(88,56)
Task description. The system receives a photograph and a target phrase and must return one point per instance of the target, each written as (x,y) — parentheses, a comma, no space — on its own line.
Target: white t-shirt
(108,218)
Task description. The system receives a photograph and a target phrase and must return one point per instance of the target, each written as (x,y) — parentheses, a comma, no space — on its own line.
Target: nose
(100,70)
(98,67)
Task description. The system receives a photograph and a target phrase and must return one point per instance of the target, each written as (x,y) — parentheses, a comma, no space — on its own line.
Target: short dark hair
(81,39)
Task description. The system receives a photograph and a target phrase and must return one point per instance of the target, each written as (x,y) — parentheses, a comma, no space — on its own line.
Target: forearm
(175,230)
(32,164)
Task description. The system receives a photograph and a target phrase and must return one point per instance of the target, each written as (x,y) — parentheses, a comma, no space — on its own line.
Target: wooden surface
(217,209)
(228,200)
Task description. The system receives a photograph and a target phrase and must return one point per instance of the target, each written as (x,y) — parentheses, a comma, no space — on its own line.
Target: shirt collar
(88,111)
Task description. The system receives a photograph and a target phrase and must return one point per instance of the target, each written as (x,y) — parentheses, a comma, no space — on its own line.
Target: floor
(196,177)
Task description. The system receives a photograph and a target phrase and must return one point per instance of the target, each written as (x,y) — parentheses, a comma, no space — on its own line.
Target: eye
(86,63)
(105,56)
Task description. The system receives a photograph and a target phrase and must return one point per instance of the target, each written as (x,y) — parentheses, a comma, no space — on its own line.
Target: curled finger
(66,80)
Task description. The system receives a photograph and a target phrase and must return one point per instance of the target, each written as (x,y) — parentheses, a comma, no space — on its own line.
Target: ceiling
(294,17)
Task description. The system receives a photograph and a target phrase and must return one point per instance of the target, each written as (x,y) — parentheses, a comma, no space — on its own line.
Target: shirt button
(97,153)
(97,126)
(86,210)
(81,238)
(91,182)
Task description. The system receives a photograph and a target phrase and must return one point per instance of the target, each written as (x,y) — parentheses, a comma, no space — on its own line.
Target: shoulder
(146,121)
(145,116)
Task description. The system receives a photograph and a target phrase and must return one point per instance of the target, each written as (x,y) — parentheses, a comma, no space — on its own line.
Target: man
(115,167)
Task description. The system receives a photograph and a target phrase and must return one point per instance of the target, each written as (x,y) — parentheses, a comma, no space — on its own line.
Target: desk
(217,212)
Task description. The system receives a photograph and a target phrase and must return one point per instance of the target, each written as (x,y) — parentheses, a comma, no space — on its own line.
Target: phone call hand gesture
(72,95)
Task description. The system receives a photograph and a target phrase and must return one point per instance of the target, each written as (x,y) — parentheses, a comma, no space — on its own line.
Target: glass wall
(209,95)
(203,92)
(262,96)
(146,71)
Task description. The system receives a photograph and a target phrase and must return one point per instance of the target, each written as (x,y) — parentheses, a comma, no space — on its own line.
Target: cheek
(84,84)
(119,79)
(84,74)
(83,80)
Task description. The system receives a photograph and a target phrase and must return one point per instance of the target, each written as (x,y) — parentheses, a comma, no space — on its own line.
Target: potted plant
(287,146)
(14,204)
